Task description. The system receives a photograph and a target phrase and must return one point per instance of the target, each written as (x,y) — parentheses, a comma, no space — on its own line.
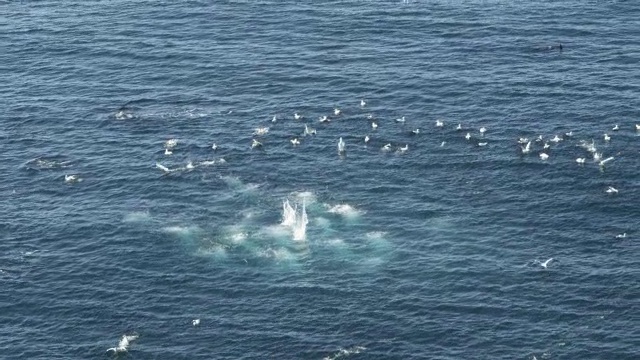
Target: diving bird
(123,345)
(603,162)
(611,190)
(341,146)
(442,143)
(637,127)
(527,148)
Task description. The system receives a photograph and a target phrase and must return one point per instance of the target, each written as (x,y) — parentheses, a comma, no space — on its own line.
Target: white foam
(288,214)
(336,243)
(345,352)
(137,217)
(322,222)
(181,230)
(305,196)
(376,235)
(344,210)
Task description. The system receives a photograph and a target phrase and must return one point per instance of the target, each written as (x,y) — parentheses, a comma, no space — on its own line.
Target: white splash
(300,227)
(288,214)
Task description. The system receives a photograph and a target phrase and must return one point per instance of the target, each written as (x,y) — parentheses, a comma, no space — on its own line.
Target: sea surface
(430,250)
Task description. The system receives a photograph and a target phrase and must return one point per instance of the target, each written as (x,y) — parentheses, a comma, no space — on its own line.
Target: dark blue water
(426,254)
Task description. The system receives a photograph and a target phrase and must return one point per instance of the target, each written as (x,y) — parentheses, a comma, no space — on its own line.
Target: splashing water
(300,227)
(288,214)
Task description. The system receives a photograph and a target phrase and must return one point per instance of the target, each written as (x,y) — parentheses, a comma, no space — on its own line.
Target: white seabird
(336,111)
(295,141)
(363,103)
(255,144)
(366,139)
(401,120)
(214,147)
(170,144)
(164,168)
(439,123)
(374,125)
(544,264)
(123,345)
(415,132)
(483,143)
(611,190)
(403,149)
(274,119)
(459,127)
(621,236)
(69,179)
(483,130)
(168,152)
(615,128)
(324,118)
(607,137)
(556,139)
(261,131)
(544,156)
(386,147)
(297,116)
(527,148)
(468,136)
(195,322)
(603,162)
(580,160)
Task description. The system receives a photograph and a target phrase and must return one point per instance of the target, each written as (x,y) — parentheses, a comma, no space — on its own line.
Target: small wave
(345,352)
(184,231)
(307,196)
(376,235)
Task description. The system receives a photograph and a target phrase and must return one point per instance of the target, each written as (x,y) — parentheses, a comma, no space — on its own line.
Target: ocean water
(430,253)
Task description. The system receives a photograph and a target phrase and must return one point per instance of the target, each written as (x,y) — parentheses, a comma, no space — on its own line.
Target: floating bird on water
(366,139)
(341,146)
(615,127)
(374,125)
(637,127)
(556,139)
(581,161)
(214,147)
(546,146)
(336,111)
(439,123)
(544,156)
(324,118)
(69,179)
(386,147)
(607,137)
(483,143)
(123,345)
(569,134)
(255,144)
(363,103)
(297,116)
(403,149)
(168,152)
(603,162)
(196,322)
(308,130)
(295,141)
(483,130)
(261,131)
(468,136)
(611,190)
(459,127)
(621,236)
(415,132)
(400,120)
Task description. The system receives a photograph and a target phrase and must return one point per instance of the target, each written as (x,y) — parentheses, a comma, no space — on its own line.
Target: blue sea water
(426,254)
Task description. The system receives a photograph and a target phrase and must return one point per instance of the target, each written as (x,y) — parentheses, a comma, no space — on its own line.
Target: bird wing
(606,160)
(162,167)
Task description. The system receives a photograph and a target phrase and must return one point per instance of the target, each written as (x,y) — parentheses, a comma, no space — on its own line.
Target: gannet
(196,322)
(415,132)
(612,190)
(615,127)
(386,147)
(483,130)
(274,119)
(546,146)
(580,160)
(308,130)
(374,125)
(366,139)
(637,127)
(214,147)
(255,143)
(442,143)
(71,179)
(297,116)
(621,236)
(370,116)
(363,103)
(403,149)
(468,136)
(556,139)
(603,162)
(168,152)
(439,123)
(189,166)
(295,141)
(123,345)
(539,138)
(523,140)
(336,111)
(544,156)
(400,120)
(324,119)
(597,156)
(544,264)
(459,127)
(607,137)
(569,134)
(482,143)
(527,148)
